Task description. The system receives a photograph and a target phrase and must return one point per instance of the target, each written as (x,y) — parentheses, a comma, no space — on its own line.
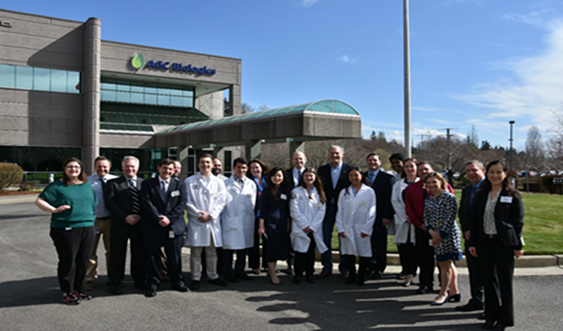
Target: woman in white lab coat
(404,237)
(354,223)
(307,210)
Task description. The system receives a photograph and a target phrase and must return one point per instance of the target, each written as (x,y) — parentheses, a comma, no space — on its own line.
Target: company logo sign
(138,61)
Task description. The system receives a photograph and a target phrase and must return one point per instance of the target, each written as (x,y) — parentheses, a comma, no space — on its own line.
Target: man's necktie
(134,197)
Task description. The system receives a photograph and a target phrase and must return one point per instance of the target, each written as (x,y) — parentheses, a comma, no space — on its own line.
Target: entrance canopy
(319,120)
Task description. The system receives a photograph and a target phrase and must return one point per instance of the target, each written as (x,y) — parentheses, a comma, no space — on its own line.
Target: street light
(511,140)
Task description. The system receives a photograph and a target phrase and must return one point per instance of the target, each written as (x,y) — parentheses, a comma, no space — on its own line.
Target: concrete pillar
(235,99)
(183,158)
(253,149)
(91,93)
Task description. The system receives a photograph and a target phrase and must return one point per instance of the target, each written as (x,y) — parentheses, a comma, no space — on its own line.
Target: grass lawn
(543,224)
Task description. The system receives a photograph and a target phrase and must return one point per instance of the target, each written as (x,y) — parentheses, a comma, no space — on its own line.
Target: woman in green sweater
(71,202)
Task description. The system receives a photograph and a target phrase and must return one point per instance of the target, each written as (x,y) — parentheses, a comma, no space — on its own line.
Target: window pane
(42,79)
(24,77)
(58,81)
(164,100)
(137,98)
(7,76)
(150,99)
(73,81)
(123,97)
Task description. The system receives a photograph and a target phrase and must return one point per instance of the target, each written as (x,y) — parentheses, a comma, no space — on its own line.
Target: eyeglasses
(72,167)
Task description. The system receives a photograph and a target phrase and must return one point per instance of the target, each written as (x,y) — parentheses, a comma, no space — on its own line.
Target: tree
(373,136)
(485,145)
(535,149)
(472,138)
(381,136)
(246,108)
(555,145)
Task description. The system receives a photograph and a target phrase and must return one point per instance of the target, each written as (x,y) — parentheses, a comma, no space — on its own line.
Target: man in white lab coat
(206,200)
(237,221)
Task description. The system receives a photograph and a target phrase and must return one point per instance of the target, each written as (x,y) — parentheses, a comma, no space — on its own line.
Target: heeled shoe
(455,297)
(436,303)
(407,283)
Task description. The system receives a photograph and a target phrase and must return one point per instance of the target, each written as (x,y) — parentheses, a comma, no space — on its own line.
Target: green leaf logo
(138,60)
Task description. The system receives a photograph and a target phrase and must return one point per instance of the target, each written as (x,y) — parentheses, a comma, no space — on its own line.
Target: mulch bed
(14,193)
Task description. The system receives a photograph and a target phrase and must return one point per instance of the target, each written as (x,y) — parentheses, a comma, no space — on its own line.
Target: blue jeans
(328,227)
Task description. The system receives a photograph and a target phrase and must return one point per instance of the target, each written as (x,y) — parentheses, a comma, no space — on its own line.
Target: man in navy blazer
(475,172)
(163,200)
(334,177)
(382,184)
(123,202)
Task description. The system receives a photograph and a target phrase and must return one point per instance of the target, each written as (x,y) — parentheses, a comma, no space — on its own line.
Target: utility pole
(511,140)
(408,143)
(450,171)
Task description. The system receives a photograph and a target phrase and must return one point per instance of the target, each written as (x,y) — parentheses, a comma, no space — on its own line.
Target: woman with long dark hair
(257,172)
(405,235)
(354,223)
(497,219)
(71,203)
(274,221)
(307,210)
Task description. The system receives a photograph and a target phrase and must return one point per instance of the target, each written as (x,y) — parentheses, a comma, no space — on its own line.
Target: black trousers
(305,262)
(173,249)
(116,270)
(228,261)
(424,255)
(379,247)
(497,263)
(254,252)
(351,265)
(475,275)
(74,247)
(407,258)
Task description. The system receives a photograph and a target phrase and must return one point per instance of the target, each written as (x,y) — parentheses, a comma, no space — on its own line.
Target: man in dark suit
(122,200)
(293,176)
(382,184)
(334,176)
(163,201)
(476,174)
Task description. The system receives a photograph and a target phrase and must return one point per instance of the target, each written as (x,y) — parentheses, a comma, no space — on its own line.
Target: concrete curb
(526,261)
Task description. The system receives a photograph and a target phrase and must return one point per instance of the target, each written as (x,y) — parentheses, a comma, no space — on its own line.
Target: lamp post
(511,140)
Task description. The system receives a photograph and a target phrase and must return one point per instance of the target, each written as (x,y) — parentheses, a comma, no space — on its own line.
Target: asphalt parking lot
(30,297)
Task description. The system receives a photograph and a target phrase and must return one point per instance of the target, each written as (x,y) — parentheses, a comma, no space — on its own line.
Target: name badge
(283,196)
(171,234)
(505,199)
(318,204)
(175,194)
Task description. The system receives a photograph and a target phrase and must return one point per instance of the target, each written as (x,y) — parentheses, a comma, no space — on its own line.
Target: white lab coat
(237,219)
(208,195)
(356,215)
(401,223)
(306,212)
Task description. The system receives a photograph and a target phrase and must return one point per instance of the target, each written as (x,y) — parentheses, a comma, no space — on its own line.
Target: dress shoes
(498,327)
(351,279)
(115,290)
(231,278)
(436,303)
(218,282)
(150,293)
(455,297)
(424,289)
(296,280)
(89,286)
(407,283)
(324,274)
(344,275)
(360,281)
(472,305)
(482,316)
(140,286)
(244,277)
(180,287)
(194,286)
(310,279)
(377,275)
(488,325)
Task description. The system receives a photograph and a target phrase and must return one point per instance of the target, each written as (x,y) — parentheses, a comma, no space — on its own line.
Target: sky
(473,62)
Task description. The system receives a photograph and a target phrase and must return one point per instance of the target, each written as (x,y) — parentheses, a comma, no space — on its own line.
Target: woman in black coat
(497,218)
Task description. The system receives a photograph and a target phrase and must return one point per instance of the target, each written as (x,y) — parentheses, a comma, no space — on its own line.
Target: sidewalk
(526,261)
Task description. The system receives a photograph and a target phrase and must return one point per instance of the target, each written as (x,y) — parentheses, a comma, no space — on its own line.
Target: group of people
(294,212)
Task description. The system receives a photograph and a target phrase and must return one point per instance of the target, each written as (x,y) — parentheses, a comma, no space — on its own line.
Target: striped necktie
(134,196)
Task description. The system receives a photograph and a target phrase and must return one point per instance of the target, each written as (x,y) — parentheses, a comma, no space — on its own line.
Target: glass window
(73,82)
(42,79)
(123,96)
(7,76)
(24,78)
(59,81)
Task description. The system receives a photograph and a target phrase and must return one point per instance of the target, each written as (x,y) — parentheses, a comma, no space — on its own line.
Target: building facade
(66,92)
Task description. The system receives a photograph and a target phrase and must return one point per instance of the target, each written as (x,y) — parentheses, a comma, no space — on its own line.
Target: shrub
(10,174)
(26,186)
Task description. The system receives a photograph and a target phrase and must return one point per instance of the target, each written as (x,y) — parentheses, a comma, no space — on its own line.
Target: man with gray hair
(334,177)
(122,200)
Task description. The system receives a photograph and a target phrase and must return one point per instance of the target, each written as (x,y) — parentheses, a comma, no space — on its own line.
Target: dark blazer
(465,208)
(152,204)
(383,187)
(289,178)
(509,220)
(324,172)
(120,204)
